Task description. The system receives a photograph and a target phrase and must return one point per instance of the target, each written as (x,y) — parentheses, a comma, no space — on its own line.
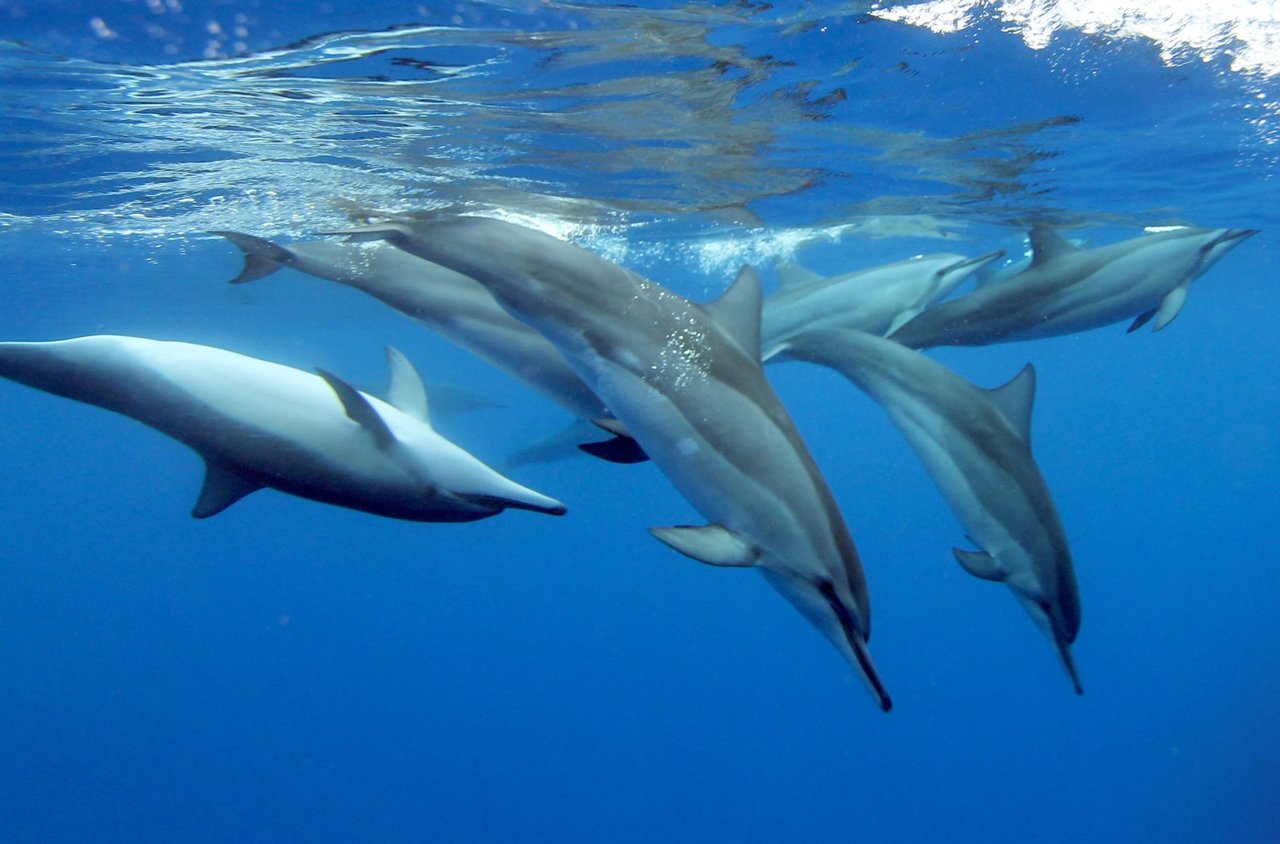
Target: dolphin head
(828,604)
(1218,242)
(947,278)
(1058,617)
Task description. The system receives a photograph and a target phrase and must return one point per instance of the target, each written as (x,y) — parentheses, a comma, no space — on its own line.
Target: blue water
(289,671)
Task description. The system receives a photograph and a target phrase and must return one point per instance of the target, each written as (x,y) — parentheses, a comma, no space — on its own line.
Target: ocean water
(290,671)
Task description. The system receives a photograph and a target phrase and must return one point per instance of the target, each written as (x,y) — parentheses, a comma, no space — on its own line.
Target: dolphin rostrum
(976,446)
(1067,289)
(259,424)
(877,300)
(454,306)
(686,381)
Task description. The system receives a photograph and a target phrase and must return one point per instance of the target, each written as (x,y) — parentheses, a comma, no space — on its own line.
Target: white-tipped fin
(791,274)
(223,486)
(1014,401)
(738,310)
(1046,244)
(406,392)
(359,409)
(902,319)
(1171,304)
(714,545)
(978,563)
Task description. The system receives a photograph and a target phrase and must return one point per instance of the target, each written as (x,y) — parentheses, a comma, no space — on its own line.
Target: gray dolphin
(976,446)
(449,303)
(1066,289)
(259,424)
(687,382)
(877,300)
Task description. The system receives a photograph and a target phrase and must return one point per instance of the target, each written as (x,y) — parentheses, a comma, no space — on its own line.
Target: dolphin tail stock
(261,256)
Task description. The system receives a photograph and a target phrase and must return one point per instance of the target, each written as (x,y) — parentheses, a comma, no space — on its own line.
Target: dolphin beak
(972,265)
(1064,651)
(857,647)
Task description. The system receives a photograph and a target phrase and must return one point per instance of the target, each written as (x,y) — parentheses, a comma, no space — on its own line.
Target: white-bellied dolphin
(687,382)
(259,424)
(976,446)
(1066,289)
(877,300)
(449,303)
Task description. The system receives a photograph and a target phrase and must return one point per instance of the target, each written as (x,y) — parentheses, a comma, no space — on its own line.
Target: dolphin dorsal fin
(406,392)
(359,409)
(738,310)
(714,545)
(223,486)
(791,274)
(1047,244)
(1014,400)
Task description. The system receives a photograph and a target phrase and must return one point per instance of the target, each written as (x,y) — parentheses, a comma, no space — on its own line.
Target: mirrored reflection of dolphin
(877,300)
(976,446)
(447,302)
(259,424)
(1066,289)
(687,382)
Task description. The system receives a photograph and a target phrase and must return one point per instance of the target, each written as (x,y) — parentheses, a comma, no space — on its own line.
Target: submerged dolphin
(259,424)
(687,382)
(447,302)
(976,446)
(876,300)
(1066,289)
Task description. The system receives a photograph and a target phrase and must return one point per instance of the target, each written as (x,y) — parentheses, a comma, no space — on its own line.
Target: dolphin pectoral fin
(1171,305)
(359,409)
(902,319)
(406,391)
(714,545)
(1141,320)
(261,257)
(737,311)
(619,449)
(979,564)
(1014,400)
(223,486)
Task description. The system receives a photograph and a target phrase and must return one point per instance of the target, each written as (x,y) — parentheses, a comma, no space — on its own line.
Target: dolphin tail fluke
(261,256)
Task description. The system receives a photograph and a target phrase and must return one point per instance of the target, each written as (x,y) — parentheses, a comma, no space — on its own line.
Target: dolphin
(259,424)
(877,300)
(449,303)
(976,446)
(687,382)
(1067,289)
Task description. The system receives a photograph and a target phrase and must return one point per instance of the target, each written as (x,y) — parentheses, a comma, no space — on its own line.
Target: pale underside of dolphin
(1066,289)
(264,425)
(976,446)
(449,303)
(686,381)
(877,300)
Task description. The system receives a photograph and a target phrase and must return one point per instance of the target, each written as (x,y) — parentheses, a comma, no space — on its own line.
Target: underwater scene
(395,396)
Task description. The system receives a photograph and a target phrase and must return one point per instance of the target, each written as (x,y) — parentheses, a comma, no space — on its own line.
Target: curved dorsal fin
(791,274)
(1014,400)
(406,392)
(1047,244)
(737,311)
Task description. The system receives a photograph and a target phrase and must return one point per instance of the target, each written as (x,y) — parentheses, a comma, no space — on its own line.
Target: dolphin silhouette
(877,300)
(1067,289)
(976,446)
(687,382)
(449,303)
(259,424)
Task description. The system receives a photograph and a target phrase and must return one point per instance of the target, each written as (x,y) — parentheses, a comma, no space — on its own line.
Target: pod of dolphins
(664,379)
